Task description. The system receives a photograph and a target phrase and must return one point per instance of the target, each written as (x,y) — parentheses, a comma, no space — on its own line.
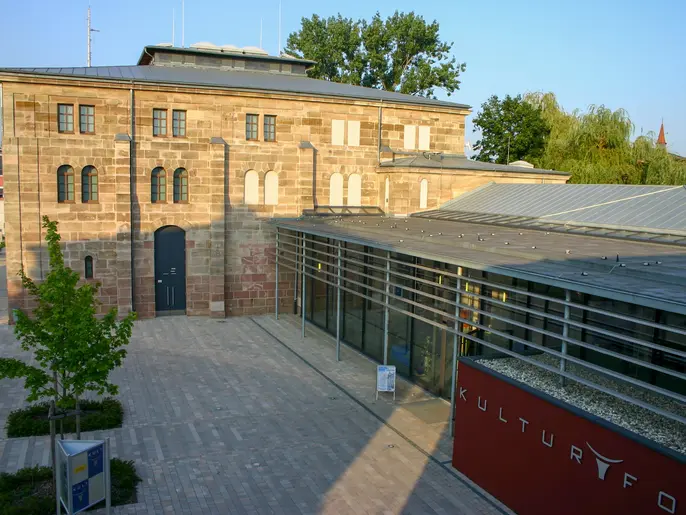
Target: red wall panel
(541,456)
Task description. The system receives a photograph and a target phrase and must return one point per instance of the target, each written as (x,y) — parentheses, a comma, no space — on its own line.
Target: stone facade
(229,245)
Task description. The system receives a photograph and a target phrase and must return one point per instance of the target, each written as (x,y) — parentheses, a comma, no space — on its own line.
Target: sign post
(385,380)
(83,474)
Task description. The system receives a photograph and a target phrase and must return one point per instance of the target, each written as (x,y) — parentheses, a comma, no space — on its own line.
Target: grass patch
(33,421)
(29,491)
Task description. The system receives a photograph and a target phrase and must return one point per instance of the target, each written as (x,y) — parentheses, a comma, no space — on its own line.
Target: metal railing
(340,273)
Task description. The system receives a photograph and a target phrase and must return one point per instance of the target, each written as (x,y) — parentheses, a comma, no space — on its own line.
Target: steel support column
(338,305)
(386,313)
(453,379)
(303,295)
(565,334)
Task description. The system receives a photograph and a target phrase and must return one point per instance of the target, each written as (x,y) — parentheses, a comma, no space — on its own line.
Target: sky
(627,54)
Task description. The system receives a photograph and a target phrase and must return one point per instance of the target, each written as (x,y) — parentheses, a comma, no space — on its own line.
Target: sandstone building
(163,175)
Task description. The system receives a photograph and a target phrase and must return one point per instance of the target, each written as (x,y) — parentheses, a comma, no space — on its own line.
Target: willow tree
(596,146)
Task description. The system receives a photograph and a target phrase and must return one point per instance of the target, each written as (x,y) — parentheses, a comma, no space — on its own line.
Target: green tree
(511,129)
(596,147)
(402,53)
(73,350)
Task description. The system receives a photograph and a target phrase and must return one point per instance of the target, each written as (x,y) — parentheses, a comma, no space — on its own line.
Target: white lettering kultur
(629,480)
(462,392)
(482,408)
(576,454)
(524,423)
(552,437)
(500,416)
(669,508)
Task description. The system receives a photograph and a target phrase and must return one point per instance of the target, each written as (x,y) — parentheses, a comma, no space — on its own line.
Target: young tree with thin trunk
(73,349)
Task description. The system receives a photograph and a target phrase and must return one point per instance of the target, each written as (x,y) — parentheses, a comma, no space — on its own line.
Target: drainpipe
(378,151)
(132,185)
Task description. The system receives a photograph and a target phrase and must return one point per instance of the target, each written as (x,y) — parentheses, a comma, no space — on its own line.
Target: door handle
(167,295)
(173,288)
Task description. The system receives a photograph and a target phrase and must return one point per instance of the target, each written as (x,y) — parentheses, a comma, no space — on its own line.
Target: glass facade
(497,315)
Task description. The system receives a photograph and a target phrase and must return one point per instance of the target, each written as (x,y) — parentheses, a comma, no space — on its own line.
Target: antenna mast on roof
(279,28)
(89,29)
(183,23)
(173,27)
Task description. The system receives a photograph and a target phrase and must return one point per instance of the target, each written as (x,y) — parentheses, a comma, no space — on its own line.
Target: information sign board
(83,477)
(385,379)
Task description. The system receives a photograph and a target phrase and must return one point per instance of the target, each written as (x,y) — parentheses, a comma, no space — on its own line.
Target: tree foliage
(402,53)
(73,350)
(596,146)
(511,129)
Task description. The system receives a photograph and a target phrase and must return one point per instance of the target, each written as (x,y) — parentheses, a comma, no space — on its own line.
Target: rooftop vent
(205,45)
(253,50)
(521,164)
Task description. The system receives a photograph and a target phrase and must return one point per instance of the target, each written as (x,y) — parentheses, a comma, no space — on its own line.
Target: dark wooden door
(170,271)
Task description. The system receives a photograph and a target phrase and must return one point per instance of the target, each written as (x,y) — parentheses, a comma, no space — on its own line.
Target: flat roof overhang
(653,275)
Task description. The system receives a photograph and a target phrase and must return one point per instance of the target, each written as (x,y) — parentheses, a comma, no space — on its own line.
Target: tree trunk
(64,395)
(53,458)
(78,419)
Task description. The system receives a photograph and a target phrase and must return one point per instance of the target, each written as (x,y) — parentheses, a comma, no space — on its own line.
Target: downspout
(314,177)
(132,184)
(378,152)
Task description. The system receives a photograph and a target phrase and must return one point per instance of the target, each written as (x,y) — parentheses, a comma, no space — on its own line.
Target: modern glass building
(497,273)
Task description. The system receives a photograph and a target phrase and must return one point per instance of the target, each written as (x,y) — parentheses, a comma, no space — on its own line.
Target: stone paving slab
(226,417)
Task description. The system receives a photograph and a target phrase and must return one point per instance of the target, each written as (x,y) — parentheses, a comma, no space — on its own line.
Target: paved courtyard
(243,416)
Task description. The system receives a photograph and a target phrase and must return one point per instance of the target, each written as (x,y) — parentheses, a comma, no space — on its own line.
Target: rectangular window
(251,121)
(337,132)
(353,133)
(159,122)
(178,123)
(65,117)
(2,192)
(424,138)
(269,127)
(410,137)
(87,119)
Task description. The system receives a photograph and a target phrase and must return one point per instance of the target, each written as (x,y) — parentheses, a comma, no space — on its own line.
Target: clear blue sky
(621,53)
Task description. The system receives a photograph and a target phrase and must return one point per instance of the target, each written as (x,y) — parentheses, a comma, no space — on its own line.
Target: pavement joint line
(381,419)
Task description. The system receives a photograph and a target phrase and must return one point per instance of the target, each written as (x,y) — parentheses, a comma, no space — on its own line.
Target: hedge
(33,421)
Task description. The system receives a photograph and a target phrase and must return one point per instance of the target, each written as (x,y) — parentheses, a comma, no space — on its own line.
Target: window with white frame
(338,132)
(410,137)
(271,189)
(423,194)
(336,190)
(251,195)
(355,190)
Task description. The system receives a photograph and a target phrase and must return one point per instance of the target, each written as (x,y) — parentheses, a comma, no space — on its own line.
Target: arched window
(88,264)
(65,184)
(355,190)
(251,188)
(89,184)
(271,189)
(336,190)
(158,185)
(180,186)
(423,193)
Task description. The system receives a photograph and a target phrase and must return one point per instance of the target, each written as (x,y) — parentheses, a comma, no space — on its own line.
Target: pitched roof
(661,137)
(233,79)
(150,50)
(454,162)
(646,208)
